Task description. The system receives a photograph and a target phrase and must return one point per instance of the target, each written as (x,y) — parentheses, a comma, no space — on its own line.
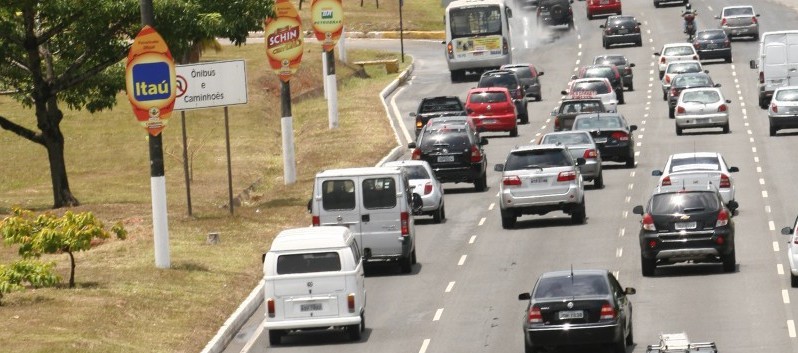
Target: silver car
(423,182)
(678,68)
(700,108)
(792,251)
(580,144)
(739,21)
(538,179)
(698,168)
(783,109)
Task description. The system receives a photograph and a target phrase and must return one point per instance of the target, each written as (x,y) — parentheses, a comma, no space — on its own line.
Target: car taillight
(662,60)
(680,109)
(674,92)
(566,176)
(637,29)
(427,188)
(648,222)
(538,10)
(724,181)
(774,108)
(695,57)
(350,302)
(667,78)
(505,47)
(511,180)
(723,218)
(652,243)
(608,31)
(607,312)
(316,221)
(450,50)
(722,108)
(416,153)
(754,20)
(518,93)
(534,316)
(590,154)
(723,22)
(404,221)
(476,155)
(270,307)
(761,77)
(620,136)
(557,123)
(726,43)
(666,181)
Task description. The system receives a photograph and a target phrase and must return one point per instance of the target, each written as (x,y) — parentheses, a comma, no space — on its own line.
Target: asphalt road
(461,297)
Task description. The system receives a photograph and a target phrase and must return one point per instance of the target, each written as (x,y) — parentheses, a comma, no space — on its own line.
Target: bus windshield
(473,21)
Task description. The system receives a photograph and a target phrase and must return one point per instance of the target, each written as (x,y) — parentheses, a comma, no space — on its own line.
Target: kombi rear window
(308,263)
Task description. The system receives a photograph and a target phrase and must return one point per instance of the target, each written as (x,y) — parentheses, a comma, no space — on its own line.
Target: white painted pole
(160,222)
(332,88)
(324,72)
(289,162)
(342,46)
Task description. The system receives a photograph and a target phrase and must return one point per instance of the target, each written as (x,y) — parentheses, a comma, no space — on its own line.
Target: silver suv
(539,179)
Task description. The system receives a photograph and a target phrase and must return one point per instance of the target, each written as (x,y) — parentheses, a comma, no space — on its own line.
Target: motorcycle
(689,26)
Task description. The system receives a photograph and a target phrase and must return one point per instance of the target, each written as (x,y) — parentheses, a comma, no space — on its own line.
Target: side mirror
(564,92)
(656,54)
(638,210)
(524,296)
(540,73)
(717,17)
(734,169)
(728,101)
(752,64)
(639,24)
(412,114)
(509,13)
(716,85)
(580,161)
(632,128)
(498,168)
(483,141)
(443,42)
(629,291)
(411,145)
(553,112)
(417,203)
(757,15)
(263,258)
(706,71)
(573,77)
(656,172)
(310,205)
(631,64)
(601,26)
(786,231)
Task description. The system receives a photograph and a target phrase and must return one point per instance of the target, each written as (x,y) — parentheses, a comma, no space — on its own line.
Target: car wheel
(406,263)
(726,128)
(571,24)
(579,216)
(671,113)
(639,43)
(664,95)
(508,219)
(356,331)
(631,86)
(514,132)
(656,4)
(729,59)
(773,129)
(438,215)
(630,338)
(756,37)
(598,183)
(621,99)
(275,336)
(661,73)
(793,281)
(630,161)
(413,257)
(678,131)
(590,17)
(648,266)
(538,98)
(482,183)
(763,103)
(730,262)
(604,44)
(456,75)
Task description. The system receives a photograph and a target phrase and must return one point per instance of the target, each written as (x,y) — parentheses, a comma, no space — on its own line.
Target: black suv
(555,13)
(454,151)
(686,225)
(433,107)
(507,79)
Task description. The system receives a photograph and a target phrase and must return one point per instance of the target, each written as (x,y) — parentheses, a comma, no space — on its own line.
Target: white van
(313,279)
(375,203)
(777,63)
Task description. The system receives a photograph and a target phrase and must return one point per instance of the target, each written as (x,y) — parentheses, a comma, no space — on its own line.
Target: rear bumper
(604,9)
(617,153)
(784,121)
(714,53)
(541,204)
(459,175)
(294,324)
(749,30)
(591,169)
(473,64)
(562,335)
(699,121)
(623,38)
(495,123)
(691,246)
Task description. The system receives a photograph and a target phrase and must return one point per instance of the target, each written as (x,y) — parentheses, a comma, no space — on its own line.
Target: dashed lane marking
(463,258)
(449,287)
(780,269)
(473,239)
(775,246)
(764,194)
(625,214)
(492,205)
(767,208)
(481,221)
(771,225)
(424,346)
(621,232)
(785,296)
(618,252)
(761,181)
(791,328)
(438,314)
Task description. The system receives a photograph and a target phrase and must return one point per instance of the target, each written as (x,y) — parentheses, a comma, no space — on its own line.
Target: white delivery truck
(777,63)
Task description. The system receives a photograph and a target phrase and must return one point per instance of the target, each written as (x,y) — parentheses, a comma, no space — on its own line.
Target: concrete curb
(234,323)
(400,149)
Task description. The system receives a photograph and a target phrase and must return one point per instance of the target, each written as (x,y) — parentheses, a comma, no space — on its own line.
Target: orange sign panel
(150,80)
(328,21)
(284,42)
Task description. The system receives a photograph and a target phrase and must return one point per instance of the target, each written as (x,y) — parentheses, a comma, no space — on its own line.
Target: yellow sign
(328,21)
(284,42)
(150,80)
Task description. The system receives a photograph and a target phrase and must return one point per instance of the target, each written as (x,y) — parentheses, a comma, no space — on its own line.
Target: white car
(423,182)
(590,87)
(675,68)
(700,108)
(698,168)
(783,109)
(675,52)
(792,251)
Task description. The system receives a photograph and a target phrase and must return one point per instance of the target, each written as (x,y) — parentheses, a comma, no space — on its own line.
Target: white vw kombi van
(313,279)
(375,203)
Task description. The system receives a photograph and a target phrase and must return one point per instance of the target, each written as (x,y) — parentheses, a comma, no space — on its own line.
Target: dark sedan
(577,307)
(612,134)
(684,81)
(621,30)
(623,64)
(713,44)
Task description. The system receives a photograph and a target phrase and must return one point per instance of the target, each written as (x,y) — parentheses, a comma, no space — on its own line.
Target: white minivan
(313,279)
(376,204)
(777,63)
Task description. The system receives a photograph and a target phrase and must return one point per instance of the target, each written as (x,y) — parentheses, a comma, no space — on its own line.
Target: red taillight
(620,136)
(662,60)
(724,181)
(695,57)
(723,22)
(648,222)
(607,312)
(476,155)
(350,302)
(450,50)
(316,221)
(674,92)
(590,154)
(761,77)
(754,20)
(726,43)
(723,218)
(404,221)
(416,153)
(722,108)
(566,176)
(666,181)
(427,188)
(608,31)
(774,108)
(667,78)
(652,243)
(680,109)
(637,29)
(270,307)
(513,180)
(557,123)
(534,316)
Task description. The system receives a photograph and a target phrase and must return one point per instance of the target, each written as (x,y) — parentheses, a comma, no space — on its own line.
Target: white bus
(477,36)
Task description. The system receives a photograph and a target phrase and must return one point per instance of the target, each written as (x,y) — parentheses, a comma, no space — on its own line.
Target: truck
(777,63)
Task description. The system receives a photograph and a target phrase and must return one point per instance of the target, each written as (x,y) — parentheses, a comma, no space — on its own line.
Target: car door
(623,303)
(339,204)
(380,221)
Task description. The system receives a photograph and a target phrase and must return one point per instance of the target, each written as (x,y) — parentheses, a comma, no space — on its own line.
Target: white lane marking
(759,169)
(395,109)
(577,61)
(492,205)
(639,144)
(767,208)
(644,122)
(628,199)
(779,269)
(791,328)
(463,258)
(631,186)
(642,129)
(771,225)
(438,314)
(632,174)
(710,9)
(742,104)
(424,346)
(744,112)
(498,194)
(750,132)
(625,214)
(449,287)
(473,239)
(482,221)
(618,252)
(751,139)
(756,159)
(761,181)
(764,194)
(753,149)
(775,246)
(637,153)
(622,232)
(785,296)
(640,136)
(617,275)
(580,46)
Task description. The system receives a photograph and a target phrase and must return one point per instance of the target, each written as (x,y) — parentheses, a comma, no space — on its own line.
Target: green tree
(55,52)
(24,272)
(48,234)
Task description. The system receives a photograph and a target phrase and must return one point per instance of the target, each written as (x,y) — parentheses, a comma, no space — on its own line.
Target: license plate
(604,2)
(538,180)
(712,46)
(571,314)
(477,53)
(702,121)
(623,31)
(310,307)
(442,159)
(600,140)
(684,225)
(488,121)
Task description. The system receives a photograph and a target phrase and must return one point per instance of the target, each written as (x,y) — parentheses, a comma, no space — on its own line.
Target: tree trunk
(71,270)
(54,142)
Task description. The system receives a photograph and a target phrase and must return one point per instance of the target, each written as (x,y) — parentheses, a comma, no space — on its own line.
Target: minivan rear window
(338,194)
(379,193)
(684,203)
(308,263)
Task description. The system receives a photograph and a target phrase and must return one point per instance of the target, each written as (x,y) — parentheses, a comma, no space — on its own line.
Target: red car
(492,109)
(603,7)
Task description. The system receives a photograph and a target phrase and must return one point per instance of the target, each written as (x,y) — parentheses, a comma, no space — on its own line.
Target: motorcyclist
(689,13)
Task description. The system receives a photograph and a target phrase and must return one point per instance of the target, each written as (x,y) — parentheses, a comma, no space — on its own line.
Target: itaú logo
(284,35)
(151,81)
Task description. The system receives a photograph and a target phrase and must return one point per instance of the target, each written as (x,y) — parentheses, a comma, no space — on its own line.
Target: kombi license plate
(571,314)
(442,159)
(684,225)
(310,307)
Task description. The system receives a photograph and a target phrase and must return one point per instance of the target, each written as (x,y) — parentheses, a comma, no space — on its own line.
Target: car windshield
(692,80)
(568,286)
(703,97)
(676,51)
(567,139)
(719,34)
(433,106)
(521,71)
(488,97)
(505,80)
(694,163)
(738,11)
(680,68)
(684,202)
(447,138)
(581,107)
(787,95)
(543,158)
(593,87)
(610,59)
(612,122)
